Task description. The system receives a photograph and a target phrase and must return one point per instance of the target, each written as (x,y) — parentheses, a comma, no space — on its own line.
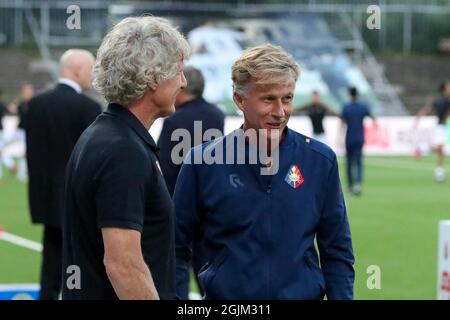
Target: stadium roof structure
(298,26)
(325,66)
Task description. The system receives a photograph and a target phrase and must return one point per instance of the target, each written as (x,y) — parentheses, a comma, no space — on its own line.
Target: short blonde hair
(264,64)
(137,51)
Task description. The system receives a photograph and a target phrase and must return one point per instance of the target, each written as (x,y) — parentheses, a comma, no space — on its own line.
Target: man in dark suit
(190,107)
(55,120)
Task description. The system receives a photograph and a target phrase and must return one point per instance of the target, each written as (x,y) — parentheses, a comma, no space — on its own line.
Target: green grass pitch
(394,226)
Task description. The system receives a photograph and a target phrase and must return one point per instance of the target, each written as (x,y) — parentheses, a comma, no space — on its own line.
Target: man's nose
(278,110)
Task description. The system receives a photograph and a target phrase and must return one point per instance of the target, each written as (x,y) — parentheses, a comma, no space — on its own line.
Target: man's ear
(238,100)
(77,73)
(153,85)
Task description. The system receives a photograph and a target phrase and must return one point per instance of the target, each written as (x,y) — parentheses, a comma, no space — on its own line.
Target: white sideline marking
(19,241)
(20,287)
(194,296)
(393,164)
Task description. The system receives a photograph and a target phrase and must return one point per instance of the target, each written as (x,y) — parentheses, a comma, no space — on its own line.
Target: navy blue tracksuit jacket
(260,230)
(353,114)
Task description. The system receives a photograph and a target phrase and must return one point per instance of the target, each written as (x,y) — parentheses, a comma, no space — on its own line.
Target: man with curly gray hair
(119,222)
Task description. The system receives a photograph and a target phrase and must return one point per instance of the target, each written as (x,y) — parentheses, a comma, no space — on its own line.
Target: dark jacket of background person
(195,108)
(22,112)
(55,121)
(353,114)
(2,113)
(198,109)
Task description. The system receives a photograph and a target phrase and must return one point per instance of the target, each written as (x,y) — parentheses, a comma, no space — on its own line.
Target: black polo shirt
(316,113)
(441,107)
(113,180)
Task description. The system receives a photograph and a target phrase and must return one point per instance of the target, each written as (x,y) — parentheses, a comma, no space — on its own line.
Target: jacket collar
(130,119)
(288,138)
(70,83)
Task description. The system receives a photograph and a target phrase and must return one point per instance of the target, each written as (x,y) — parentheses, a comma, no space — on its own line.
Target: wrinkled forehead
(263,77)
(283,87)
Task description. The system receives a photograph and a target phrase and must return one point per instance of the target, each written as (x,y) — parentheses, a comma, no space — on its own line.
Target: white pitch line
(398,165)
(195,296)
(20,287)
(19,241)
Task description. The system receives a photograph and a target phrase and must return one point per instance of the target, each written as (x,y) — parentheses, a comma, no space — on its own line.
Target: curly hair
(137,51)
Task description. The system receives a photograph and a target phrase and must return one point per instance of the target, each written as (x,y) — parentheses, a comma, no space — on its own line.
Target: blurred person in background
(54,121)
(190,107)
(353,115)
(2,114)
(317,111)
(19,108)
(441,108)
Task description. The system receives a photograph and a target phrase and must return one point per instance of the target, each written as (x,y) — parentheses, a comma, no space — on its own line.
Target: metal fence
(45,22)
(407,25)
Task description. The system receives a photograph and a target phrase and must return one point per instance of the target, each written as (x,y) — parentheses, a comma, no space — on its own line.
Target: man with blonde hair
(259,228)
(119,222)
(54,121)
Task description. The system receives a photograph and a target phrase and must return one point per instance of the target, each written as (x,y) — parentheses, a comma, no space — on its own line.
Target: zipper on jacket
(268,244)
